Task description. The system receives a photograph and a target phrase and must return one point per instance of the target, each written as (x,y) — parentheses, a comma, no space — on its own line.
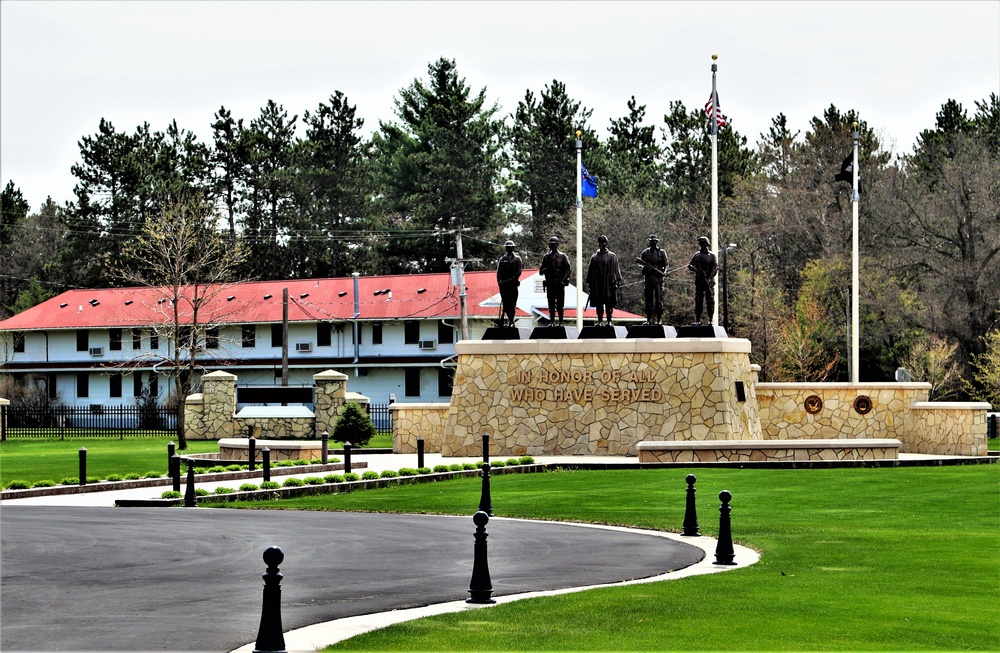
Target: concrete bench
(711,451)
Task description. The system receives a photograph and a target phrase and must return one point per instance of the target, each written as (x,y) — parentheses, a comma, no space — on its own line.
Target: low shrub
(511,462)
(216,469)
(269,485)
(479,464)
(113,477)
(302,462)
(424,470)
(20,485)
(170,494)
(526,460)
(333,460)
(94,480)
(498,463)
(224,490)
(146,475)
(313,480)
(235,468)
(44,483)
(248,487)
(468,466)
(369,475)
(293,482)
(334,478)
(201,492)
(283,463)
(352,476)
(389,473)
(456,467)
(132,476)
(407,471)
(440,468)
(70,480)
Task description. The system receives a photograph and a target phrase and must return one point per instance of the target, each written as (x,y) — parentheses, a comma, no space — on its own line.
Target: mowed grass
(852,559)
(37,460)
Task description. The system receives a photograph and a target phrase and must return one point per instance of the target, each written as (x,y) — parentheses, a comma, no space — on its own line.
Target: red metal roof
(408,296)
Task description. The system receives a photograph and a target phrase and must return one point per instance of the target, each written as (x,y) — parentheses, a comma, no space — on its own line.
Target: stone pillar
(219,392)
(330,390)
(194,416)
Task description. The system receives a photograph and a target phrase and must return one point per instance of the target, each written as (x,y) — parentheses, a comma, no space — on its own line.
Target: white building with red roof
(392,335)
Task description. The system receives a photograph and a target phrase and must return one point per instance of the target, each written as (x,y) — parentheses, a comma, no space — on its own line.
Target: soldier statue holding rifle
(555,268)
(654,268)
(705,267)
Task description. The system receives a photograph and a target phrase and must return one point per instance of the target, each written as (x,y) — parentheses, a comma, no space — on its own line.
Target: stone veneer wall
(598,397)
(211,414)
(779,451)
(418,420)
(898,410)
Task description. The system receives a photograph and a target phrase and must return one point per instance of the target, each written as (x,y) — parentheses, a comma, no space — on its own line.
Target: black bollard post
(486,447)
(347,457)
(265,461)
(992,426)
(690,510)
(724,552)
(420,453)
(325,435)
(252,453)
(83,465)
(189,497)
(481,587)
(171,450)
(269,636)
(175,472)
(485,500)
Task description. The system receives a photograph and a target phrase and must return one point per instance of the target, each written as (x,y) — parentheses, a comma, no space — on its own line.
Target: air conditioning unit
(428,344)
(303,346)
(97,351)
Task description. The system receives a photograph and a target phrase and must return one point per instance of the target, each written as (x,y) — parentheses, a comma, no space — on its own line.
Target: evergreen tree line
(312,196)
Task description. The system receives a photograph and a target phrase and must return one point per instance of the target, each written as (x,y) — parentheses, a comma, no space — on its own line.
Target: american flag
(720,119)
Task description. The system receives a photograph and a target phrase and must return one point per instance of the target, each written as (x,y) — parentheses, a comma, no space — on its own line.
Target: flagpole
(715,185)
(579,232)
(855,302)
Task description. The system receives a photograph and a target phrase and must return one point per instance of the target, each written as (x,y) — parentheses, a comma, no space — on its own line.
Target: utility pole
(460,269)
(284,337)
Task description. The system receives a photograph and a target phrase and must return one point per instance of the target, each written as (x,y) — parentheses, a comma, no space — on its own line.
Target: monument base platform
(652,331)
(507,333)
(554,333)
(701,331)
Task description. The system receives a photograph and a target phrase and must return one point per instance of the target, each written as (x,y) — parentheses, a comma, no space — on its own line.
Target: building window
(446,377)
(212,338)
(115,386)
(82,340)
(18,342)
(136,339)
(83,384)
(249,336)
(154,386)
(115,339)
(446,333)
(376,333)
(412,381)
(411,332)
(154,341)
(53,388)
(136,384)
(276,339)
(324,337)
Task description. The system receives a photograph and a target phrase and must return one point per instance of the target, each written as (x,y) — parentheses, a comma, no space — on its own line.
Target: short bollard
(171,450)
(420,453)
(325,438)
(269,636)
(724,552)
(265,462)
(252,452)
(481,587)
(347,457)
(189,497)
(83,465)
(485,500)
(690,510)
(175,472)
(486,447)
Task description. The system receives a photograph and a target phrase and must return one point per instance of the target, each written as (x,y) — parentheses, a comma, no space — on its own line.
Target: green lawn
(36,460)
(852,559)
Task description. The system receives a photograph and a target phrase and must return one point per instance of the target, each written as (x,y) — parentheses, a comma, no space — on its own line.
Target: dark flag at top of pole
(847,172)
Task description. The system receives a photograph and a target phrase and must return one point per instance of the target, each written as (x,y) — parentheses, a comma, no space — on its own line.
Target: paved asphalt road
(133,579)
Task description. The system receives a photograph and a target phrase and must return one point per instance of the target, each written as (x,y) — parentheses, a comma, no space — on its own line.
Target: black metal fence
(381,417)
(96,421)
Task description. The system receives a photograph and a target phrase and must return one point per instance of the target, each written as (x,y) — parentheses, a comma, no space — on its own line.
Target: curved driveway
(133,579)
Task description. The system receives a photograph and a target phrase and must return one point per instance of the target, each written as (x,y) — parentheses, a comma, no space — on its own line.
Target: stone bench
(712,451)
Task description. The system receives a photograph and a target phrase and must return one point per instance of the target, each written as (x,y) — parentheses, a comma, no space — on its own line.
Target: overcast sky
(65,65)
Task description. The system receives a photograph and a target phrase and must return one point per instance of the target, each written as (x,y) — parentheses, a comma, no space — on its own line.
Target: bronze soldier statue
(508,279)
(705,267)
(555,268)
(654,269)
(604,276)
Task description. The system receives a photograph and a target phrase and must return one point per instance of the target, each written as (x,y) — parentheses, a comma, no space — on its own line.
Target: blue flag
(588,187)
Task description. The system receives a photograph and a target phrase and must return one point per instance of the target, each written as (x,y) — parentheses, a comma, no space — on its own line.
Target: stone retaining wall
(418,420)
(768,451)
(598,397)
